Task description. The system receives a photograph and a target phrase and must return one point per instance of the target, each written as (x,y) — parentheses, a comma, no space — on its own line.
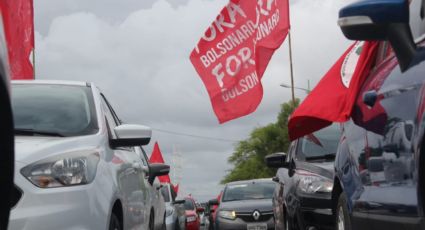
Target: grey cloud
(137,52)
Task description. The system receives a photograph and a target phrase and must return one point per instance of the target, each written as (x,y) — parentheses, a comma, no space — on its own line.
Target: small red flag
(18,20)
(156,157)
(234,52)
(333,98)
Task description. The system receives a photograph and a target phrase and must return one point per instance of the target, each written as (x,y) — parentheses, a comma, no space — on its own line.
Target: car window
(321,143)
(62,109)
(165,193)
(249,191)
(111,123)
(188,205)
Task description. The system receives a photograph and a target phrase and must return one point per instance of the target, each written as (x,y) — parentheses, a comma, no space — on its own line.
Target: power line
(195,136)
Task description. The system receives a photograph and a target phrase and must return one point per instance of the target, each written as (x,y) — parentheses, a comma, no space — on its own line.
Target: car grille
(247,216)
(16,195)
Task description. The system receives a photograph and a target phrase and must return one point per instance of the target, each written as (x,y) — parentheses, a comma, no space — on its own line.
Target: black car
(303,199)
(380,163)
(245,205)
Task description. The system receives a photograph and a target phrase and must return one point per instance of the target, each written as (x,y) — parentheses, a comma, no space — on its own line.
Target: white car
(77,166)
(175,213)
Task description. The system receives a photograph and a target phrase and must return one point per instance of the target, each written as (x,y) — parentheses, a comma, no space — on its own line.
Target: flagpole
(291,68)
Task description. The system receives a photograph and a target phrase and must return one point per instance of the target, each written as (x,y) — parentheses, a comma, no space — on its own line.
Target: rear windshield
(188,205)
(321,143)
(62,109)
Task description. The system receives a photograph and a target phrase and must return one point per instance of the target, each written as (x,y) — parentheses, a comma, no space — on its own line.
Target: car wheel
(114,223)
(152,221)
(343,221)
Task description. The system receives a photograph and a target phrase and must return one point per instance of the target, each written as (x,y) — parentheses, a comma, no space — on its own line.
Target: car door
(386,110)
(127,168)
(289,183)
(146,186)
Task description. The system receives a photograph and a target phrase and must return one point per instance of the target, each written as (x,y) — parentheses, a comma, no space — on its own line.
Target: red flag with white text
(333,98)
(156,157)
(18,20)
(233,54)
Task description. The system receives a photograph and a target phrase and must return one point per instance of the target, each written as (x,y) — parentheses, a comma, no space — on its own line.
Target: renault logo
(256,214)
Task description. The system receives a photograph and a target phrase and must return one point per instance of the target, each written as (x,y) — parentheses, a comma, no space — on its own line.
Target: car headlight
(169,211)
(231,215)
(191,219)
(313,183)
(76,168)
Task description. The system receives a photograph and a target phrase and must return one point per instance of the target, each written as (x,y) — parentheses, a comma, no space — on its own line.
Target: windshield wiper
(330,156)
(33,132)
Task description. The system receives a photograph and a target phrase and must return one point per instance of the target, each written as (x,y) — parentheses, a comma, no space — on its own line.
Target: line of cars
(368,172)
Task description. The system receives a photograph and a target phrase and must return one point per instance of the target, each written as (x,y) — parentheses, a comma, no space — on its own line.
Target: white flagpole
(291,68)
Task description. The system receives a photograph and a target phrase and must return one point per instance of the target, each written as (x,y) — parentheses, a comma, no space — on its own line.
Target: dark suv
(380,163)
(303,199)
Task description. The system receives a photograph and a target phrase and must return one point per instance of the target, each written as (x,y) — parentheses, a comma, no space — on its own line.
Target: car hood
(325,169)
(29,149)
(262,205)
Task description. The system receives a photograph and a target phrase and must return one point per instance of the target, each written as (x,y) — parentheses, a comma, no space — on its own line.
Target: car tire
(152,221)
(342,217)
(114,223)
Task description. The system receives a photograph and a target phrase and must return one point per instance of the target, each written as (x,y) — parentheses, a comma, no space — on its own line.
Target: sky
(137,53)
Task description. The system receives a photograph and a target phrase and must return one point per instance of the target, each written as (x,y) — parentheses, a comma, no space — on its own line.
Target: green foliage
(248,157)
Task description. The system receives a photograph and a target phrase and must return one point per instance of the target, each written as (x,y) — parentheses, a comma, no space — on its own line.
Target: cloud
(140,60)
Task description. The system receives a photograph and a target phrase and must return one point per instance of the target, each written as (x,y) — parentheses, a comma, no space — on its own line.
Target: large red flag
(18,20)
(333,98)
(156,157)
(234,52)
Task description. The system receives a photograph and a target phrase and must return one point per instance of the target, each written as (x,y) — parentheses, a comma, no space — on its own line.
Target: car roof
(52,82)
(249,181)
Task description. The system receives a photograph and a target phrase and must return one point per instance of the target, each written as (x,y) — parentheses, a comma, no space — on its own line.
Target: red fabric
(332,100)
(176,188)
(234,52)
(156,157)
(18,20)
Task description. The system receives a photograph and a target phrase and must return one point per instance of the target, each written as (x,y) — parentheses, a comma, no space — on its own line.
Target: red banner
(156,157)
(18,20)
(333,98)
(234,52)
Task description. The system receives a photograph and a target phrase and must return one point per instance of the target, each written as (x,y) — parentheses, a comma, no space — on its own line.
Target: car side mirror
(213,202)
(178,202)
(276,160)
(379,21)
(158,170)
(131,135)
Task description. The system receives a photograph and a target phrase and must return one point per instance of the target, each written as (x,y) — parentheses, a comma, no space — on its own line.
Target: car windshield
(60,110)
(319,145)
(188,205)
(249,191)
(165,193)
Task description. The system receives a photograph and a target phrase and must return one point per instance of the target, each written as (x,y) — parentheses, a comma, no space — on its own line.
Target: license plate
(262,226)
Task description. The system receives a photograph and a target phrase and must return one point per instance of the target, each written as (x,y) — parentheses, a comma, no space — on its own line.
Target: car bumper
(192,225)
(316,212)
(239,224)
(69,208)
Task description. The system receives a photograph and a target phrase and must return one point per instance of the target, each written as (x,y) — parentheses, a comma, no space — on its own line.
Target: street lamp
(288,86)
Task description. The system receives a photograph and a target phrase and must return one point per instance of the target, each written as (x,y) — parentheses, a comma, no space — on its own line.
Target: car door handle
(370,97)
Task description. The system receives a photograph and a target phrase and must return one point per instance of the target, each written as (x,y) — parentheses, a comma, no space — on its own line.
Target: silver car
(175,213)
(77,166)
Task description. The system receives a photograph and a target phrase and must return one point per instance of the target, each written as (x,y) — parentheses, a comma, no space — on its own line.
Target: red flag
(234,52)
(18,20)
(176,188)
(333,98)
(156,157)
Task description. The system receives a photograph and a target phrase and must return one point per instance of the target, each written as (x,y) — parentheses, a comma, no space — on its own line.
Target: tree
(249,154)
